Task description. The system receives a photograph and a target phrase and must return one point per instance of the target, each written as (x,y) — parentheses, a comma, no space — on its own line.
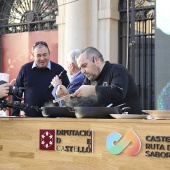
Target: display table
(21,138)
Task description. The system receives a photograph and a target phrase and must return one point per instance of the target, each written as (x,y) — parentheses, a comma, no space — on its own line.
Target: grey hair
(72,56)
(90,52)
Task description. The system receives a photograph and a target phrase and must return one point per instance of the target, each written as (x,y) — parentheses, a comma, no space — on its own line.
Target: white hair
(72,55)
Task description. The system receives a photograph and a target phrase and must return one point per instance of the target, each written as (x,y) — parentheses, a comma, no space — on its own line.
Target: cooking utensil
(95,112)
(80,112)
(60,76)
(54,111)
(62,98)
(111,104)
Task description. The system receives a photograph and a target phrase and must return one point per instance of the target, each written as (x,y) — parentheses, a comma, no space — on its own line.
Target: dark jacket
(116,85)
(36,82)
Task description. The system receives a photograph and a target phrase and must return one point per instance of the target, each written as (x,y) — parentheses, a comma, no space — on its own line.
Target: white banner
(4,76)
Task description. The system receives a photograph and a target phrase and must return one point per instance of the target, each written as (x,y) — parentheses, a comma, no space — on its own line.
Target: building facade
(123,30)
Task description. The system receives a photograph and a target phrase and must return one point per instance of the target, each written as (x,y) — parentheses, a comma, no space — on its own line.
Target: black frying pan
(51,111)
(80,112)
(95,112)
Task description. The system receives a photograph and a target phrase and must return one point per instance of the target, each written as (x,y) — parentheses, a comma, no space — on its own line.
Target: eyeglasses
(40,42)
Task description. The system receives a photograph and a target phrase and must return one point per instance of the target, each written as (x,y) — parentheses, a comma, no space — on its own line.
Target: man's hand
(56,81)
(22,114)
(85,91)
(61,91)
(4,90)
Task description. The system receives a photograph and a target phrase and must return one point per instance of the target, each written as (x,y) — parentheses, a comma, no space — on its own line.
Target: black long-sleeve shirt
(116,85)
(36,82)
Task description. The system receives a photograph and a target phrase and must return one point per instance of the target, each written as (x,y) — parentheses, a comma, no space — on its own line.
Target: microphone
(60,76)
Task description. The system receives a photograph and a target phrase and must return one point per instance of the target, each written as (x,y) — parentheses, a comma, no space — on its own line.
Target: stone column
(88,23)
(60,20)
(73,26)
(108,17)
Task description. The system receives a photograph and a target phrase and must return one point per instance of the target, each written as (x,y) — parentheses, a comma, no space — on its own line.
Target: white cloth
(3,113)
(4,76)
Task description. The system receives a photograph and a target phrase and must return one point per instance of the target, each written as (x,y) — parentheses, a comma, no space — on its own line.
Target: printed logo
(130,143)
(105,84)
(47,140)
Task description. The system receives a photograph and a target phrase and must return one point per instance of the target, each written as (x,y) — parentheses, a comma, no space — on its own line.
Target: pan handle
(118,106)
(124,110)
(36,108)
(111,104)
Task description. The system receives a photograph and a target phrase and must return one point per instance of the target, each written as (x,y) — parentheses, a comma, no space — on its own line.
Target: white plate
(158,114)
(128,116)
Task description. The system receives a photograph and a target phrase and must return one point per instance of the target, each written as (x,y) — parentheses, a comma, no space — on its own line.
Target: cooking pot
(95,112)
(51,111)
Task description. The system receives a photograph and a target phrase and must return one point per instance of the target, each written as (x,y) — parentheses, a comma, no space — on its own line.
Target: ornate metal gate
(18,16)
(137,45)
(27,15)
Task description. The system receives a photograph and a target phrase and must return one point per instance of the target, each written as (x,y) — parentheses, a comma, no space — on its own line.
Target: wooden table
(20,140)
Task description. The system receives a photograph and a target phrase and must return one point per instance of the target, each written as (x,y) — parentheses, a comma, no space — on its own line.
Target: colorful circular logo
(130,143)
